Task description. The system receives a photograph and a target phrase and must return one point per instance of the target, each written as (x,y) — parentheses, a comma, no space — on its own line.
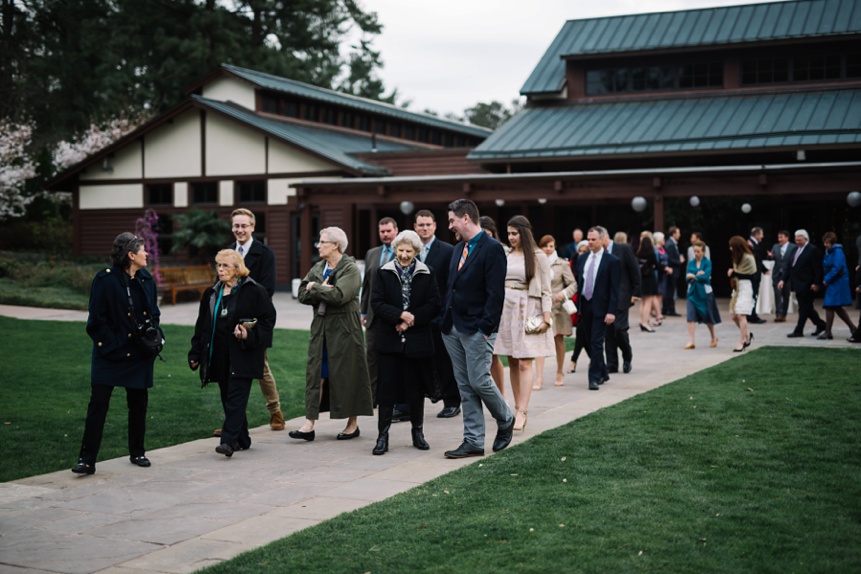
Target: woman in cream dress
(562,287)
(741,305)
(527,295)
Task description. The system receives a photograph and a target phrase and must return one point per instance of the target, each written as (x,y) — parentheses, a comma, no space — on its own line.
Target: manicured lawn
(750,466)
(46,387)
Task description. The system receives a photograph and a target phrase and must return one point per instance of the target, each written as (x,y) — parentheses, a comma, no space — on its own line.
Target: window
(270,103)
(204,193)
(631,79)
(165,233)
(801,68)
(250,191)
(159,194)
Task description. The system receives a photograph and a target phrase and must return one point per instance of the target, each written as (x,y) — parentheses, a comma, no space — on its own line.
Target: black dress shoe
(757,320)
(612,370)
(419,439)
(140,461)
(84,468)
(309,436)
(466,450)
(794,335)
(819,330)
(593,386)
(448,412)
(503,436)
(348,435)
(626,367)
(224,449)
(604,379)
(382,446)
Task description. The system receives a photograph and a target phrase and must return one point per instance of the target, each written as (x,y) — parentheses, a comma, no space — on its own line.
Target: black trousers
(97,412)
(592,330)
(755,283)
(444,370)
(617,340)
(806,310)
(234,401)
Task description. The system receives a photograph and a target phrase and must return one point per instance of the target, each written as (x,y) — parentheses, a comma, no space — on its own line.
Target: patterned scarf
(405,274)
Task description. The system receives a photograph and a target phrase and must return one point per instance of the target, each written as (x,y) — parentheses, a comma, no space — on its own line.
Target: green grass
(750,466)
(46,280)
(46,388)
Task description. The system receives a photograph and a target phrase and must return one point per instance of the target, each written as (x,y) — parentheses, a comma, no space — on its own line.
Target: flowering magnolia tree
(96,137)
(16,167)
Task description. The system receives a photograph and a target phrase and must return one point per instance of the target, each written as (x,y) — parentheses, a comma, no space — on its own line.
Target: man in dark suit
(598,280)
(375,258)
(473,305)
(804,275)
(629,293)
(436,254)
(571,252)
(782,253)
(674,261)
(759,253)
(260,261)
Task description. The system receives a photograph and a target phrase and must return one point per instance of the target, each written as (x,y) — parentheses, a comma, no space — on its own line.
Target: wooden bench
(189,278)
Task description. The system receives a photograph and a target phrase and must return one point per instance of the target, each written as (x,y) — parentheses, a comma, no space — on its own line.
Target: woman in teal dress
(701,298)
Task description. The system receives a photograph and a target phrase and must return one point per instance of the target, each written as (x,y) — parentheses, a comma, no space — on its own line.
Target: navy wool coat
(117,361)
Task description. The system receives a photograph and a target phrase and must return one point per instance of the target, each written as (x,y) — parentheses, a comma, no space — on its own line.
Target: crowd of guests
(432,320)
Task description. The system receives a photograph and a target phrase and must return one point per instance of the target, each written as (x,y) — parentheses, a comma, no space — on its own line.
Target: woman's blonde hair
(234,258)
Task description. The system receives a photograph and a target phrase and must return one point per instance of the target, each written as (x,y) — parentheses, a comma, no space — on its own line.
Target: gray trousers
(470,357)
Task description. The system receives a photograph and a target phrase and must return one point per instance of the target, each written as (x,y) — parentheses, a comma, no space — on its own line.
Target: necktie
(242,251)
(797,253)
(590,279)
(385,255)
(463,256)
(424,253)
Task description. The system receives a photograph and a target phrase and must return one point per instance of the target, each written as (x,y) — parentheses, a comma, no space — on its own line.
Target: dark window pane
(270,103)
(159,194)
(853,66)
(291,109)
(250,191)
(204,192)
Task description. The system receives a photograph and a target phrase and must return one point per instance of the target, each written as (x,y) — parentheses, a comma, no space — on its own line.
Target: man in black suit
(375,258)
(473,305)
(629,293)
(674,261)
(436,254)
(598,280)
(804,275)
(759,253)
(260,261)
(571,252)
(782,252)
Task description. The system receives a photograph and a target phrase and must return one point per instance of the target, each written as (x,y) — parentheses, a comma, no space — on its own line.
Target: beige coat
(562,281)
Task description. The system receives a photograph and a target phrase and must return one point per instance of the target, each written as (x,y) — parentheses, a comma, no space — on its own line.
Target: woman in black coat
(123,304)
(406,301)
(230,349)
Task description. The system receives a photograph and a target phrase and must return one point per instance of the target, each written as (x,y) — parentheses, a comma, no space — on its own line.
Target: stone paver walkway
(194,507)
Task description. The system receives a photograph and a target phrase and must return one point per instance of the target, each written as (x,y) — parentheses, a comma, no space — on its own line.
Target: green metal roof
(286,86)
(691,28)
(329,144)
(748,122)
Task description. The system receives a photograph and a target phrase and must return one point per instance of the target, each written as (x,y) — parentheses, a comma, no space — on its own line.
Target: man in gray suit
(782,253)
(375,258)
(617,338)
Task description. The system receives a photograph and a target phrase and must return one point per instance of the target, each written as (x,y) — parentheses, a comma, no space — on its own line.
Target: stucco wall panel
(125,164)
(232,149)
(230,90)
(126,196)
(173,150)
(285,159)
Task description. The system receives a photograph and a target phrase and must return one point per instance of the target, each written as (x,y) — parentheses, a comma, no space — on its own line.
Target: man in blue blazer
(473,305)
(436,254)
(598,275)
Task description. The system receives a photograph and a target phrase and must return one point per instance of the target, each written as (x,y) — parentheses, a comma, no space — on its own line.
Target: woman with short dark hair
(123,307)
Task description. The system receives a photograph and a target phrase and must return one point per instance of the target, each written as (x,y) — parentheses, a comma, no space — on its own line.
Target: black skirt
(402,379)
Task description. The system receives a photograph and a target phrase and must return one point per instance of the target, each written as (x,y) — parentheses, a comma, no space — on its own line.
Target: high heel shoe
(749,340)
(714,343)
(658,323)
(573,368)
(690,346)
(825,337)
(645,329)
(522,426)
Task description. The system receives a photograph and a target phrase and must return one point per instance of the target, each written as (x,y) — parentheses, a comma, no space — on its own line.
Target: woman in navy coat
(233,330)
(123,298)
(836,281)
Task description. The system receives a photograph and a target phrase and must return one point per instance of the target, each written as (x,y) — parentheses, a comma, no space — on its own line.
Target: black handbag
(149,338)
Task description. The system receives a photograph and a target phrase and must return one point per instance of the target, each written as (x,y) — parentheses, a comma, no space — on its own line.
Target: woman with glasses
(336,379)
(123,301)
(233,330)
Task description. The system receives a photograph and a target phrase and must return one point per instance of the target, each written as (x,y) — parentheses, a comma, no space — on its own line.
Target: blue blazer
(475,293)
(605,292)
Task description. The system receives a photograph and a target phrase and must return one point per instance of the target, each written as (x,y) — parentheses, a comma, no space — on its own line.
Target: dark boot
(417,416)
(383,425)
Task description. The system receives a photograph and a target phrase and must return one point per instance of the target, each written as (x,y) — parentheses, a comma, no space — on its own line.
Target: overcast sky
(447,55)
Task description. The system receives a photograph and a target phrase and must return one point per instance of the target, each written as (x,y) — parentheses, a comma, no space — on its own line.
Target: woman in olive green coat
(337,376)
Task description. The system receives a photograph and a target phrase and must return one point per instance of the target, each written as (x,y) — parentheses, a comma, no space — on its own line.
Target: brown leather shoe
(276,421)
(216,432)
(780,319)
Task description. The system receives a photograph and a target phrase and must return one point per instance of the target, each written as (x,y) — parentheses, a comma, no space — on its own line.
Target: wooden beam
(307,241)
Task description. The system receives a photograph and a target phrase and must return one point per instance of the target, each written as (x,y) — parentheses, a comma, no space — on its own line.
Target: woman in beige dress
(742,302)
(562,286)
(527,296)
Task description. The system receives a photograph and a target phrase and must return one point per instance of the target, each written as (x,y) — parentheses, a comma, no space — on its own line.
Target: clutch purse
(534,324)
(569,306)
(248,323)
